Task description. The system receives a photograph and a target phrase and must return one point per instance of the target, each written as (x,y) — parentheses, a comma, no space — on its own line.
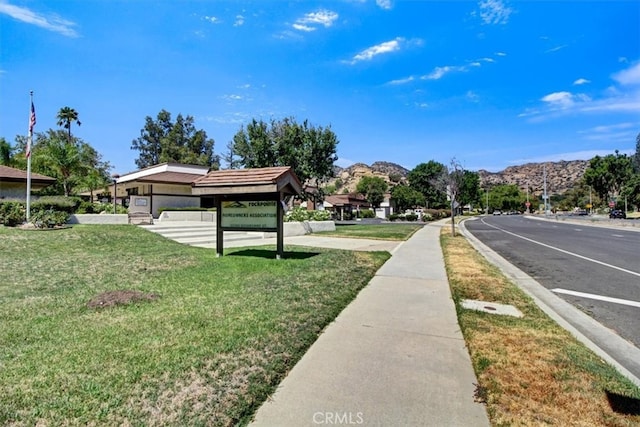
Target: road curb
(552,305)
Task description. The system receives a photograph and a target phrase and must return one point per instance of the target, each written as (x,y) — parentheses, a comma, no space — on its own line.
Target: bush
(394,217)
(56,203)
(320,216)
(299,214)
(367,213)
(12,213)
(411,217)
(49,218)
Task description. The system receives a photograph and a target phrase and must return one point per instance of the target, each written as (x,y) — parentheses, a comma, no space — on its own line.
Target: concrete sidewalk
(394,357)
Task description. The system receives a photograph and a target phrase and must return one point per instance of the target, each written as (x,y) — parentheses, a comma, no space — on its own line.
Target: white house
(166,184)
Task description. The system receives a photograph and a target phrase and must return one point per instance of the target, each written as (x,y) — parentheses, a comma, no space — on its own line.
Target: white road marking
(597,297)
(624,270)
(617,235)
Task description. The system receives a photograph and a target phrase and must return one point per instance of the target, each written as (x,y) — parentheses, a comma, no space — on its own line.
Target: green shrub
(48,218)
(394,217)
(56,203)
(367,213)
(411,217)
(320,216)
(12,213)
(300,214)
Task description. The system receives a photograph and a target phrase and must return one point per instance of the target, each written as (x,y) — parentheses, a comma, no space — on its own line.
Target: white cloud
(562,98)
(555,49)
(472,96)
(309,21)
(239,21)
(501,54)
(51,23)
(384,4)
(630,76)
(305,28)
(402,81)
(212,19)
(494,12)
(440,72)
(581,81)
(379,49)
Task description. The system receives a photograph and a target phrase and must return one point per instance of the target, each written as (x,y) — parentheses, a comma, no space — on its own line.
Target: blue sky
(492,83)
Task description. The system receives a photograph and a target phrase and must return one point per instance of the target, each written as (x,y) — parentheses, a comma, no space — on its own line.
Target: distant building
(13,182)
(345,206)
(168,185)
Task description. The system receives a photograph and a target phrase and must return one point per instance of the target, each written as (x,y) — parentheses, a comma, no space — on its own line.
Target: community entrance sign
(249,200)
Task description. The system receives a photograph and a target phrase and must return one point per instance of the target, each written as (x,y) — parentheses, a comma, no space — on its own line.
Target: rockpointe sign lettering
(257,215)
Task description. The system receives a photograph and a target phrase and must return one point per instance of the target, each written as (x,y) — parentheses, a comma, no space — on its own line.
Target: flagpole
(29,140)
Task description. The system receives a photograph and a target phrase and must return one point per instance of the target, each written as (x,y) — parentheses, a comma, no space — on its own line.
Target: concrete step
(201,234)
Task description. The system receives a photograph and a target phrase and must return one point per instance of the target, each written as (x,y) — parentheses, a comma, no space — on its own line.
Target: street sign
(612,204)
(589,206)
(527,204)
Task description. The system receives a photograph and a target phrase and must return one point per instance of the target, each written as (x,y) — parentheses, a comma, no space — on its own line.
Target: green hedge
(46,212)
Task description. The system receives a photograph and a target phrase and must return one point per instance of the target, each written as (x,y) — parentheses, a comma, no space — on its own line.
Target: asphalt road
(597,269)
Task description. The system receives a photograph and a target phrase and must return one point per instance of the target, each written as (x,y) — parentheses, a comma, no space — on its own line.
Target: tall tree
(636,156)
(470,191)
(66,116)
(406,197)
(309,150)
(373,189)
(6,153)
(163,140)
(424,178)
(608,175)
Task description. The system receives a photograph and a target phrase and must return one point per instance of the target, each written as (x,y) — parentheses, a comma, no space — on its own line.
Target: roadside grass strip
(371,231)
(114,325)
(531,371)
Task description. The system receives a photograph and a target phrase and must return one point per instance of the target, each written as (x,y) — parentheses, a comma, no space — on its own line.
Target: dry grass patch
(530,371)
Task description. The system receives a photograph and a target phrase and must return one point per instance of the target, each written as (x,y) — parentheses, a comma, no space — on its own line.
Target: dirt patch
(120,297)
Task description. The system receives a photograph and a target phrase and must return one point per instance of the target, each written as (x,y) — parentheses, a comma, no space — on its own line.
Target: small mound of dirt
(121,297)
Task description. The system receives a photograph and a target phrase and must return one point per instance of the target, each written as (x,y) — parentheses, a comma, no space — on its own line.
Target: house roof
(239,181)
(346,199)
(170,178)
(170,173)
(17,175)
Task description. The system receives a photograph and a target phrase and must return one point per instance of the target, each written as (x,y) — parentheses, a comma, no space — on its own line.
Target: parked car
(497,212)
(617,214)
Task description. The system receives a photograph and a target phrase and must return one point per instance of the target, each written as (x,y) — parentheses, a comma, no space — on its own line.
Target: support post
(280,232)
(219,232)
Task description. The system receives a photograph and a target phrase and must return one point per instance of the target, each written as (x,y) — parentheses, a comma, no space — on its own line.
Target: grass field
(374,231)
(214,338)
(530,371)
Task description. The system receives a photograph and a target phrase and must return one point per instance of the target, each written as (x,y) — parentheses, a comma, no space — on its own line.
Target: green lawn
(220,336)
(374,231)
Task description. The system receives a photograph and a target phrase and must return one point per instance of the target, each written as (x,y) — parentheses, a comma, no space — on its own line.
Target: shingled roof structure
(243,181)
(17,175)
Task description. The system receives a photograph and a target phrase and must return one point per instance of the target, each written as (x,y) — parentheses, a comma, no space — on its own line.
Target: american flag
(32,118)
(32,123)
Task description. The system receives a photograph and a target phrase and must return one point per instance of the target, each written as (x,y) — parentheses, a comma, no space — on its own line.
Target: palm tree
(65,116)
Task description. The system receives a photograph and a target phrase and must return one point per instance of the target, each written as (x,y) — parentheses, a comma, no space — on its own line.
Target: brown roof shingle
(16,175)
(278,176)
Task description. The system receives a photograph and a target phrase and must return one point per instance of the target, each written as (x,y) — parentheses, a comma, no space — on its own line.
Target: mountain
(346,179)
(560,176)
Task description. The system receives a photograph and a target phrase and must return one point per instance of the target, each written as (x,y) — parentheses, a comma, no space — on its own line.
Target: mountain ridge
(560,176)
